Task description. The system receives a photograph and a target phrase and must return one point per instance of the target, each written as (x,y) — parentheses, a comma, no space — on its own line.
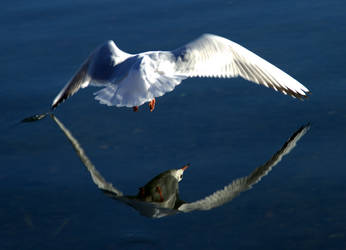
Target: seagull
(130,80)
(160,196)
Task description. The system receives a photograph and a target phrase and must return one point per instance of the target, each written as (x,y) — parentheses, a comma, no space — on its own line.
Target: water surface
(224,127)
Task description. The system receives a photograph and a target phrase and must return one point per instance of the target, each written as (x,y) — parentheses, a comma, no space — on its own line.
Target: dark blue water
(224,127)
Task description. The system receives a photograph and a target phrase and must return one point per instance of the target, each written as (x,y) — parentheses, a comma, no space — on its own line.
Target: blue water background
(224,127)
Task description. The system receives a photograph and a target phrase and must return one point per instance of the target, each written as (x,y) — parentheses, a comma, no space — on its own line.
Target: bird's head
(178,173)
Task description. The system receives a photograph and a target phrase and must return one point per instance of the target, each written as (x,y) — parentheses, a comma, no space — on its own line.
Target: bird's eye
(181,176)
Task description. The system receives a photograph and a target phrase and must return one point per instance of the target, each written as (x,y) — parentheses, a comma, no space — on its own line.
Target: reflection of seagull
(160,196)
(133,79)
(162,187)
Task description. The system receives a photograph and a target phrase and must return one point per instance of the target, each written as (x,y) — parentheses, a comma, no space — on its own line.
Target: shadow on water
(160,196)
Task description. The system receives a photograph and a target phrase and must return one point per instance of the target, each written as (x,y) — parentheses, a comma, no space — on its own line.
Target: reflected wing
(230,191)
(215,56)
(97,178)
(218,198)
(261,171)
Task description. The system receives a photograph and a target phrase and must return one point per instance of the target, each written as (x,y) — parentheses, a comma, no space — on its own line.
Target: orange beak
(186,166)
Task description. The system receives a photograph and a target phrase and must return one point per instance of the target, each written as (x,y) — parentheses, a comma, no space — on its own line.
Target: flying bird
(160,196)
(131,80)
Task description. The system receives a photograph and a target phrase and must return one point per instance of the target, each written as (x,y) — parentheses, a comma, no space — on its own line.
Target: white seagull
(131,80)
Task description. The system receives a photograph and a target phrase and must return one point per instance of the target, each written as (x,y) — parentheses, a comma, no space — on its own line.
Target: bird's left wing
(230,191)
(97,178)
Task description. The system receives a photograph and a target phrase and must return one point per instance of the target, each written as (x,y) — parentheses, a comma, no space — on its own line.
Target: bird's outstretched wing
(215,56)
(97,178)
(81,79)
(230,191)
(97,69)
(149,209)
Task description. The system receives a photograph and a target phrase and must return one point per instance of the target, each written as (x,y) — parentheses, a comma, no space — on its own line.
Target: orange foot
(152,105)
(158,189)
(135,108)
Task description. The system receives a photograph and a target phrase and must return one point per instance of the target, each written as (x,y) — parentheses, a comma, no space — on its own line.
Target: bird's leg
(152,104)
(158,189)
(135,108)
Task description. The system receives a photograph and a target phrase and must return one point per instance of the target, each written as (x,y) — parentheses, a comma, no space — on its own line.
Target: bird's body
(131,80)
(163,187)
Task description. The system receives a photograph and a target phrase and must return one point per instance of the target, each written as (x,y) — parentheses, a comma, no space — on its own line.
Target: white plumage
(133,79)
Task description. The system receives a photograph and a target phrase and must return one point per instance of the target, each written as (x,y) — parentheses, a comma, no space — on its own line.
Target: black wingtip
(306,96)
(61,99)
(56,103)
(297,95)
(35,118)
(53,107)
(305,127)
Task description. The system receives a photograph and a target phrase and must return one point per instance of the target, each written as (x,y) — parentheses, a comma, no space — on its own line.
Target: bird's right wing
(98,69)
(97,178)
(81,79)
(230,191)
(215,56)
